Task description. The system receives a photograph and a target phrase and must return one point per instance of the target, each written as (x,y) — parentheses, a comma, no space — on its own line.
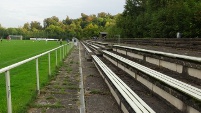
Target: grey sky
(14,13)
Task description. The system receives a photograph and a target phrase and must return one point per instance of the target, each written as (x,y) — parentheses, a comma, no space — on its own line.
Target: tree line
(85,27)
(140,19)
(160,18)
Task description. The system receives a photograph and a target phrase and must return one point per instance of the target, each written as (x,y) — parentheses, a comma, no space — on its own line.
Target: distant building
(103,34)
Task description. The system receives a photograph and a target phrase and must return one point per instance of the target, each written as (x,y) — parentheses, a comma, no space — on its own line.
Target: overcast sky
(14,13)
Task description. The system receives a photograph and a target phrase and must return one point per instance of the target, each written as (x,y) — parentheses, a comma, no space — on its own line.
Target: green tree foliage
(27,26)
(160,18)
(140,19)
(91,30)
(54,31)
(2,32)
(86,26)
(67,21)
(51,21)
(12,31)
(35,25)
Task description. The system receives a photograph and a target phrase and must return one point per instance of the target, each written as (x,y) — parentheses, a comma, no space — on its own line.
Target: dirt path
(62,94)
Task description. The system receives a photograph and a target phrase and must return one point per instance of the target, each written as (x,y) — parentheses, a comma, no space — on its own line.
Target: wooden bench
(135,102)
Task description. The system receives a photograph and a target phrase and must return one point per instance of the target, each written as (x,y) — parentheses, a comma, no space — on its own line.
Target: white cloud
(14,13)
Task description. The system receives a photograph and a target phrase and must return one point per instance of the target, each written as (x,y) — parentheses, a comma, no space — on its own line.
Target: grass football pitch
(23,78)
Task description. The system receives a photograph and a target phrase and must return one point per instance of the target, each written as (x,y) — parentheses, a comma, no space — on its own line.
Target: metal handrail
(8,68)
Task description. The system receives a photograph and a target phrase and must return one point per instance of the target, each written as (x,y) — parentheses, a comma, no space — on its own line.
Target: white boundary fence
(63,51)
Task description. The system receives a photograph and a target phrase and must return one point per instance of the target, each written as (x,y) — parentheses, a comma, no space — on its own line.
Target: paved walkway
(62,94)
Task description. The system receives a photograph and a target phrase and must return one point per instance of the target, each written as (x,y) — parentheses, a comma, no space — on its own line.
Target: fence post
(8,92)
(56,59)
(60,54)
(63,52)
(67,48)
(49,63)
(37,76)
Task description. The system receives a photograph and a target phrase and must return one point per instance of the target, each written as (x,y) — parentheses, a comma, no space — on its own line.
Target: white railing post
(67,48)
(63,52)
(49,66)
(60,54)
(37,77)
(56,59)
(8,92)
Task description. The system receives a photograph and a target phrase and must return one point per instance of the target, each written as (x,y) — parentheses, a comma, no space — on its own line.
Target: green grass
(23,78)
(56,105)
(96,91)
